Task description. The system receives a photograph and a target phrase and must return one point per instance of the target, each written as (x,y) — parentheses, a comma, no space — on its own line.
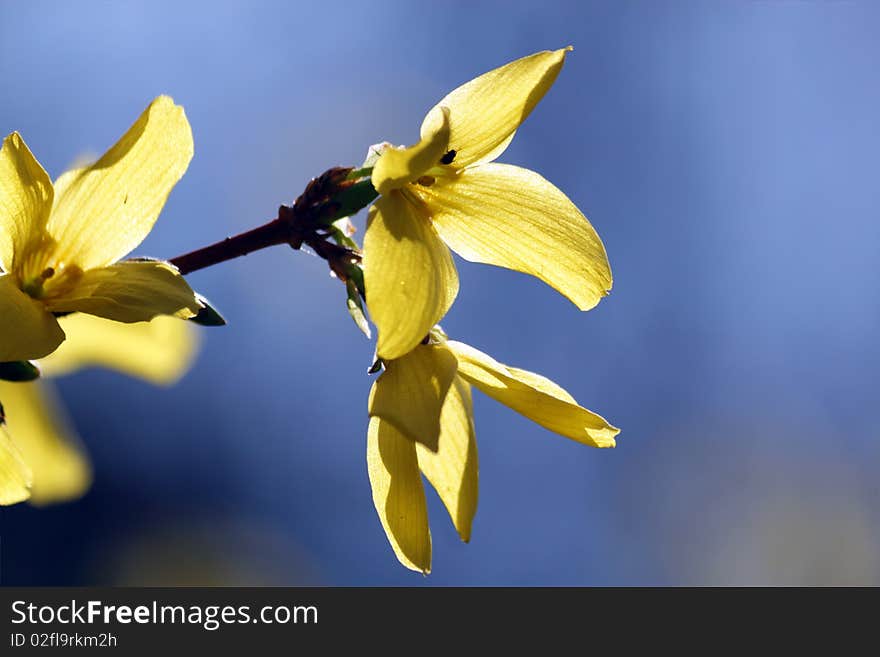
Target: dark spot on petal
(448,157)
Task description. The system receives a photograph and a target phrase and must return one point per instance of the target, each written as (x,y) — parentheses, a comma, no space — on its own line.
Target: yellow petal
(25,200)
(130,291)
(159,351)
(485,112)
(26,330)
(410,392)
(532,395)
(15,476)
(398,494)
(453,470)
(399,166)
(511,217)
(48,445)
(409,274)
(105,210)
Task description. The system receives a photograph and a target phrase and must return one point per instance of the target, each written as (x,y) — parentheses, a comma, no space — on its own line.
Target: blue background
(727,153)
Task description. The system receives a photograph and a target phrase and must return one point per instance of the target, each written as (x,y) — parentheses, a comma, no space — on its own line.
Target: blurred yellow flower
(15,476)
(421,421)
(61,244)
(45,444)
(445,189)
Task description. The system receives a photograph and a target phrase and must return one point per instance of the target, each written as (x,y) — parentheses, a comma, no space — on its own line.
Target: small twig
(305,222)
(271,234)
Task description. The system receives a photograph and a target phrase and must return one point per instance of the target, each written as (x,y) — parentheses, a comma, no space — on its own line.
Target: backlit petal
(453,470)
(398,494)
(27,331)
(532,395)
(130,291)
(410,392)
(15,476)
(25,200)
(409,274)
(485,112)
(399,166)
(159,351)
(48,445)
(105,210)
(511,217)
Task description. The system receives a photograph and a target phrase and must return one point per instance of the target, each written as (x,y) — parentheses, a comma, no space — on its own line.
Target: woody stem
(338,192)
(271,234)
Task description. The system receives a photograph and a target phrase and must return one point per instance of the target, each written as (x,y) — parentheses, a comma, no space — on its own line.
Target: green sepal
(374,152)
(352,198)
(356,308)
(19,371)
(377,365)
(341,237)
(356,274)
(208,315)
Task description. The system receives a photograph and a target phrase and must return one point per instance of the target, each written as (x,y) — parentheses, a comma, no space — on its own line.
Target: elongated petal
(511,217)
(105,210)
(48,445)
(409,274)
(485,112)
(27,331)
(398,494)
(399,166)
(15,475)
(25,200)
(159,351)
(532,395)
(411,391)
(131,291)
(453,470)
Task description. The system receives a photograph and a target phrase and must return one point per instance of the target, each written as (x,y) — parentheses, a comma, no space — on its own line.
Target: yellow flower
(45,444)
(60,245)
(445,189)
(15,476)
(421,421)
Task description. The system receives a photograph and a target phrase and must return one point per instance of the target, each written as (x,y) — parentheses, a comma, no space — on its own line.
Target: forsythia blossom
(61,244)
(446,191)
(61,273)
(421,421)
(41,457)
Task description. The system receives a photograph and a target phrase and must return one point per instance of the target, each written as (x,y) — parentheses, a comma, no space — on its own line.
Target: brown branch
(271,234)
(303,223)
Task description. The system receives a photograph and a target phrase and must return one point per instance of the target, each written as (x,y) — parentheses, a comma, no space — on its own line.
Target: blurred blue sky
(727,153)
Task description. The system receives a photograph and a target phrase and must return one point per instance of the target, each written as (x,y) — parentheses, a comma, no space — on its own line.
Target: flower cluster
(447,191)
(62,275)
